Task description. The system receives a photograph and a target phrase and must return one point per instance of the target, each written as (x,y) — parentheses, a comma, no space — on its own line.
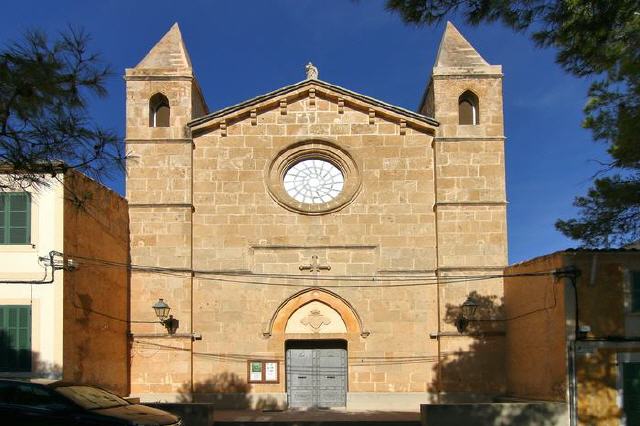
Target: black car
(59,403)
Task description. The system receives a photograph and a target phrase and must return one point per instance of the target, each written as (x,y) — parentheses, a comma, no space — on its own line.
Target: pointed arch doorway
(315,328)
(316,372)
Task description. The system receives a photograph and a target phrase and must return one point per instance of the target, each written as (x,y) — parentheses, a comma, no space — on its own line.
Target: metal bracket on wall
(192,336)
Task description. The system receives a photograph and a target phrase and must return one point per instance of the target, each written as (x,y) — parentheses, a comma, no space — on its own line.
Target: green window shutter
(635,291)
(15,218)
(4,202)
(15,338)
(631,392)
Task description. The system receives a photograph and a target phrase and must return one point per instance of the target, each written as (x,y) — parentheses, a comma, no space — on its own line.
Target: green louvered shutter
(4,203)
(15,218)
(631,392)
(15,338)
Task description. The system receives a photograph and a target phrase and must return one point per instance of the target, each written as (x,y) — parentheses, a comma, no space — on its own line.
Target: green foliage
(595,38)
(609,213)
(45,127)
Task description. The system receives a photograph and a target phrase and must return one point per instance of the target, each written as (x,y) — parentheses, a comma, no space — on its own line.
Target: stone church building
(315,244)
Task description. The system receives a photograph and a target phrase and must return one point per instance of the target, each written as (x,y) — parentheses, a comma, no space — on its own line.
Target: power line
(362,360)
(253,278)
(225,276)
(375,278)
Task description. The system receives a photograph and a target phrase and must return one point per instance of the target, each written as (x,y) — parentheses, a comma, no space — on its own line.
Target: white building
(64,283)
(31,226)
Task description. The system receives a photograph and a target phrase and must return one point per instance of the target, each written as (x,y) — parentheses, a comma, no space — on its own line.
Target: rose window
(313,181)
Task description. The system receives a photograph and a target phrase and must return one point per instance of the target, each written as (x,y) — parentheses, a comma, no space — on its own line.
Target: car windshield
(91,398)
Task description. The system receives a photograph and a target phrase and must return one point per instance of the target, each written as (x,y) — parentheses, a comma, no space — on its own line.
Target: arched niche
(468,109)
(348,315)
(159,111)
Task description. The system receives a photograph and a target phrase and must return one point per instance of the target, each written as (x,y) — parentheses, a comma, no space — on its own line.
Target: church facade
(315,244)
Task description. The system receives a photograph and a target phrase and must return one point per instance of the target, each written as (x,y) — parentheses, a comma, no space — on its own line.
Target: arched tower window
(468,108)
(159,111)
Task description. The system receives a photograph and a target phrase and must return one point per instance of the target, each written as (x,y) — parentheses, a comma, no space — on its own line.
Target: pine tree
(45,126)
(595,38)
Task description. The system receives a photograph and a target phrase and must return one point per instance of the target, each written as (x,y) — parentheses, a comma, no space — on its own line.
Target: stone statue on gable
(312,72)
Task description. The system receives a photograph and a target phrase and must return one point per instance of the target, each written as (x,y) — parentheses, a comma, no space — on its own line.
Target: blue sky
(241,49)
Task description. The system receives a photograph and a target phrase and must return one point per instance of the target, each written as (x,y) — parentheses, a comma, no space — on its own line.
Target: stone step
(315,418)
(316,423)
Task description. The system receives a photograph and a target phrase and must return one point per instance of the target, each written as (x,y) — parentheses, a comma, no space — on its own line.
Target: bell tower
(465,96)
(162,96)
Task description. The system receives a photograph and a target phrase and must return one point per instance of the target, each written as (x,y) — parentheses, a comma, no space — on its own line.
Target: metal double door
(317,377)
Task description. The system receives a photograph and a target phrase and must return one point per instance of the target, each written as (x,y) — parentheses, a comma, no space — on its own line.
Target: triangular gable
(329,90)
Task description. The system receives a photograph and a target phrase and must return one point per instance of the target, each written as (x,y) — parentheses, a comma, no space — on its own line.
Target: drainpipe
(573,386)
(438,273)
(192,276)
(572,273)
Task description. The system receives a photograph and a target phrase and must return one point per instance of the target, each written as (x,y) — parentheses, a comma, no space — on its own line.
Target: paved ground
(315,417)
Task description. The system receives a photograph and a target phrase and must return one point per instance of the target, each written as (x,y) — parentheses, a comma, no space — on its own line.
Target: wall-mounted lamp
(467,310)
(162,312)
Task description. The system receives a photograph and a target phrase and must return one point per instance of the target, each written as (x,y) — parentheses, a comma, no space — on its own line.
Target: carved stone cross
(315,266)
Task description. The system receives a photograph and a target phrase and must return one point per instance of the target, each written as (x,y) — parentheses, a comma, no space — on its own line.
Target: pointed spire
(456,51)
(169,52)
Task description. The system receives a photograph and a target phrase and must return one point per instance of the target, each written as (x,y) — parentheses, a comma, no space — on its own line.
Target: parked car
(60,403)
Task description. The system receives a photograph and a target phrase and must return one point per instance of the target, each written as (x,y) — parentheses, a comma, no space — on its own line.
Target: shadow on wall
(23,362)
(226,390)
(470,373)
(597,374)
(470,378)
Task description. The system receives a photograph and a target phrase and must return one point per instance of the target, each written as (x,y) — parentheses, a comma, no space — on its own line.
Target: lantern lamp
(467,310)
(162,312)
(162,309)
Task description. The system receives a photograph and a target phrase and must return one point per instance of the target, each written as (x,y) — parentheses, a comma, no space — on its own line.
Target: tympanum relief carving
(315,317)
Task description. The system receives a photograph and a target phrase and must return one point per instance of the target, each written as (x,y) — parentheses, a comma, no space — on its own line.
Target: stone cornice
(470,138)
(161,205)
(428,272)
(159,77)
(311,246)
(159,140)
(465,76)
(470,268)
(469,203)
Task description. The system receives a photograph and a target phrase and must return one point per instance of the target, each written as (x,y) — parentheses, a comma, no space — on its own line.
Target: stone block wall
(391,220)
(486,83)
(388,228)
(426,205)
(470,171)
(471,219)
(159,176)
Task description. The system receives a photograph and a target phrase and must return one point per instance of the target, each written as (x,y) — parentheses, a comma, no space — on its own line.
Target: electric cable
(44,279)
(226,276)
(236,277)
